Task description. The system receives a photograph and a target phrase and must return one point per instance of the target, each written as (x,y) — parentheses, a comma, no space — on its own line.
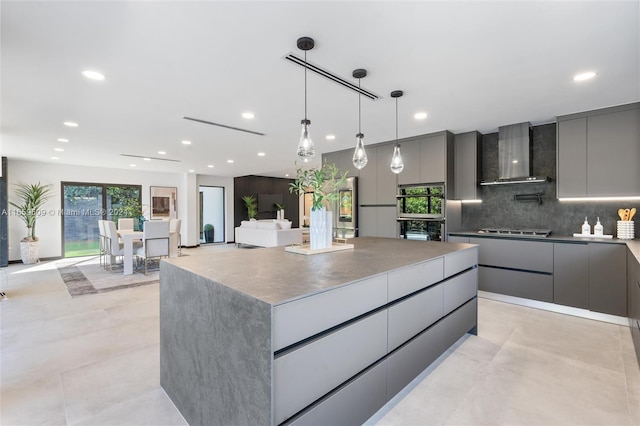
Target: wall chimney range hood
(514,156)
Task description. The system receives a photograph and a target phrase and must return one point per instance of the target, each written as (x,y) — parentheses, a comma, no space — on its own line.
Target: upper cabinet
(427,159)
(599,152)
(467,168)
(343,160)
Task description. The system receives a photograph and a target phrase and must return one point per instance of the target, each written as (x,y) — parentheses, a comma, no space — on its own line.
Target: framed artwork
(164,202)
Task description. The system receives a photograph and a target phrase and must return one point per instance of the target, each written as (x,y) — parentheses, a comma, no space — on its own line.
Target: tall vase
(318,231)
(329,234)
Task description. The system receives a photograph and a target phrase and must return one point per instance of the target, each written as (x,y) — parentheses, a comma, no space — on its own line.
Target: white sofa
(267,233)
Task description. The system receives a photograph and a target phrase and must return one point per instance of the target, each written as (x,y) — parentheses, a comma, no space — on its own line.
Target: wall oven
(421,212)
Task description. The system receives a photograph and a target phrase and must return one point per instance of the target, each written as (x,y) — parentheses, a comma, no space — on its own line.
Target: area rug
(86,276)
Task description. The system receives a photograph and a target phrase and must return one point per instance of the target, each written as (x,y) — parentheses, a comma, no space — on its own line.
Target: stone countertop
(634,245)
(275,276)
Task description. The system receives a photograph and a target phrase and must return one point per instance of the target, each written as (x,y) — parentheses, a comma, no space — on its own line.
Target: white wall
(49,226)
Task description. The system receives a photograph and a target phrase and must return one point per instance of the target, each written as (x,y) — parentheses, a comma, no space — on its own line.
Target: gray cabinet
(343,160)
(598,153)
(376,183)
(633,289)
(410,151)
(608,278)
(436,158)
(570,275)
(467,168)
(378,221)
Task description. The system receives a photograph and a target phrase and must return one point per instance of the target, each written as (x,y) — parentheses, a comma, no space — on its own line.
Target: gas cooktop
(537,233)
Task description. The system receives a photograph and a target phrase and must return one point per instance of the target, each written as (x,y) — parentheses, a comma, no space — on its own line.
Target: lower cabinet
(633,283)
(529,285)
(571,275)
(608,278)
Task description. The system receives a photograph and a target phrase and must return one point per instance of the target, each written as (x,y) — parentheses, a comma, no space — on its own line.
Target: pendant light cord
(396,121)
(359,112)
(305,85)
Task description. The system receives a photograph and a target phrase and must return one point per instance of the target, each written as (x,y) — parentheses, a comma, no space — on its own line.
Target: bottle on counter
(598,229)
(586,228)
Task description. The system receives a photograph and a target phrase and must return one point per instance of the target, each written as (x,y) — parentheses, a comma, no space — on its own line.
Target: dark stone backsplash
(499,209)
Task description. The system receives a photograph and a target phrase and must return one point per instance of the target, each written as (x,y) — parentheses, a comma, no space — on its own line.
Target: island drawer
(459,322)
(410,360)
(459,289)
(413,278)
(460,260)
(352,404)
(409,317)
(305,374)
(299,319)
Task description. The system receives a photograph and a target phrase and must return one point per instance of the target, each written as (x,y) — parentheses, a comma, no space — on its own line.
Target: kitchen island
(262,336)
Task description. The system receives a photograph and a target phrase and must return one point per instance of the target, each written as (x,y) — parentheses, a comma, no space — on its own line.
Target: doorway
(212,220)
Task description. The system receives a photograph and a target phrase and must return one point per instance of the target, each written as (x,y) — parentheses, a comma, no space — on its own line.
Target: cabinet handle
(638,324)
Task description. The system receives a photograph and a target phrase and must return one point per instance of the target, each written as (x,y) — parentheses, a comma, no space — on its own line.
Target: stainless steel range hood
(514,155)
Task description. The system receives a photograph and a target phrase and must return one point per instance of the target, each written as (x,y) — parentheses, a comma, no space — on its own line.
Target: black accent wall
(255,185)
(499,209)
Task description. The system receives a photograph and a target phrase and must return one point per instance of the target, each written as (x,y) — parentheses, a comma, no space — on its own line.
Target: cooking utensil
(632,213)
(627,212)
(621,214)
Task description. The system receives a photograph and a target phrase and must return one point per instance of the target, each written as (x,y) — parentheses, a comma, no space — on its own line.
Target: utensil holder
(626,230)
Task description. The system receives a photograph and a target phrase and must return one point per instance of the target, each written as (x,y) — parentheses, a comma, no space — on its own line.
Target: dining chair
(125,223)
(155,241)
(174,226)
(113,246)
(102,243)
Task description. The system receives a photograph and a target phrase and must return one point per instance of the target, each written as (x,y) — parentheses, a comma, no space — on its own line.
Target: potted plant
(251,205)
(322,182)
(279,211)
(32,198)
(208,233)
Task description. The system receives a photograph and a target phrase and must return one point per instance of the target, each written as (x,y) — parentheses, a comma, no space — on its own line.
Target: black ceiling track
(151,158)
(223,125)
(331,76)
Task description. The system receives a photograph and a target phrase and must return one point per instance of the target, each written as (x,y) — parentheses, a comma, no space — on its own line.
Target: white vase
(329,222)
(318,231)
(282,214)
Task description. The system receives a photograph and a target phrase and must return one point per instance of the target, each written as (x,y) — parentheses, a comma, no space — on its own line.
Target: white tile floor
(94,360)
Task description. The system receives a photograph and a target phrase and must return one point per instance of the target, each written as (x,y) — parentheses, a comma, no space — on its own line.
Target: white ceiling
(470,65)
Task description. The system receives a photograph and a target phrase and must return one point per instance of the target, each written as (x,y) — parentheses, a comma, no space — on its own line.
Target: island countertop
(275,276)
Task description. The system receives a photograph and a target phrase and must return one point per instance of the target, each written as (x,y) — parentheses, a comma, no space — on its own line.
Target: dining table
(129,237)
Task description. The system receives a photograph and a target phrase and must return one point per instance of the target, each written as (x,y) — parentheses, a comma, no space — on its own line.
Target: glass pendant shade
(306,150)
(396,161)
(360,155)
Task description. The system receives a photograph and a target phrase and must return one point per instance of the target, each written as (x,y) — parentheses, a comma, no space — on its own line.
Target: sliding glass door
(84,204)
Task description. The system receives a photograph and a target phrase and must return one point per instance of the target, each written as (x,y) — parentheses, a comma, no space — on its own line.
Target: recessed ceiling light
(63,140)
(248,115)
(58,149)
(147,159)
(420,115)
(54,158)
(286,174)
(210,166)
(162,152)
(229,161)
(584,76)
(330,137)
(93,75)
(261,154)
(186,142)
(70,124)
(132,165)
(191,171)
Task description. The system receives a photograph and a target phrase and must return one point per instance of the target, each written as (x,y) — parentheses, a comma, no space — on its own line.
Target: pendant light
(396,161)
(306,151)
(359,154)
